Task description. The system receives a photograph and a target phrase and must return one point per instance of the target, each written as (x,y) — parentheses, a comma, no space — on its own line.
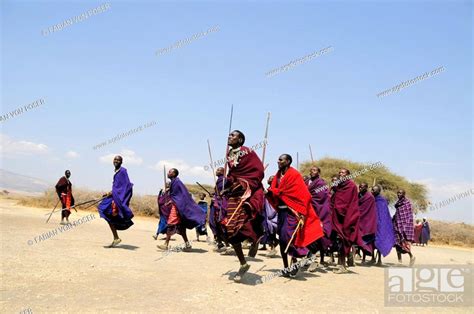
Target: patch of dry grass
(141,205)
(455,234)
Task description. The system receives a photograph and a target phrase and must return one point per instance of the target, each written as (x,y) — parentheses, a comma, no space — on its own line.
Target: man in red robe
(243,191)
(298,225)
(345,217)
(64,191)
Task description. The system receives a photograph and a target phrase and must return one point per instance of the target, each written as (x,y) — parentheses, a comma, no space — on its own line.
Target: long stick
(297,161)
(74,206)
(212,162)
(227,145)
(204,189)
(374,181)
(53,211)
(235,211)
(95,203)
(293,235)
(311,153)
(164,178)
(265,139)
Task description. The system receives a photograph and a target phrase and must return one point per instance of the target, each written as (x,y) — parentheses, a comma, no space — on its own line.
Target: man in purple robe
(217,213)
(270,224)
(185,213)
(403,226)
(115,206)
(384,238)
(425,232)
(367,221)
(320,200)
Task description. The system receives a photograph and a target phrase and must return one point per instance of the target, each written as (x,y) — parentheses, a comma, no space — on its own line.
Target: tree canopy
(389,181)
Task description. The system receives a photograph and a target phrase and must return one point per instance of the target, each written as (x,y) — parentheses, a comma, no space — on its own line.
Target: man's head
(270,180)
(220,171)
(363,187)
(118,161)
(343,172)
(67,173)
(314,172)
(401,194)
(173,173)
(284,162)
(202,196)
(376,189)
(236,139)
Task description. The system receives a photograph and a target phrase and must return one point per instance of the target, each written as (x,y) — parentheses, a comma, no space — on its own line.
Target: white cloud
(9,146)
(185,170)
(72,154)
(443,190)
(129,157)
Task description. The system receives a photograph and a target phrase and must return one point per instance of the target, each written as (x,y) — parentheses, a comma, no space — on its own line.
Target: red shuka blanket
(293,192)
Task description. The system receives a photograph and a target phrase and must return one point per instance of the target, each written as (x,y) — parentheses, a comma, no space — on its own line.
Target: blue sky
(101,77)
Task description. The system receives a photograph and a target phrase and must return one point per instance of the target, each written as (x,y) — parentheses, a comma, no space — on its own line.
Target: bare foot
(242,270)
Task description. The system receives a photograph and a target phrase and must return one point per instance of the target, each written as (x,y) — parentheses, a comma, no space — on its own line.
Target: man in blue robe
(384,237)
(114,208)
(201,229)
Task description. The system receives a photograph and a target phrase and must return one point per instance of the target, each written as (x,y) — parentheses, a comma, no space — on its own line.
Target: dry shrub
(141,205)
(449,233)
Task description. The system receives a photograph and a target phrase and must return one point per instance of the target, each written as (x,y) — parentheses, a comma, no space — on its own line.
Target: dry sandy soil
(74,272)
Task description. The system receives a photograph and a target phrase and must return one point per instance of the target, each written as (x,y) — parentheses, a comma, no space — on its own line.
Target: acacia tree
(389,181)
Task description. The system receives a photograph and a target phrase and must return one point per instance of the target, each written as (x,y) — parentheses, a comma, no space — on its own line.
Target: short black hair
(66,171)
(241,135)
(176,172)
(288,157)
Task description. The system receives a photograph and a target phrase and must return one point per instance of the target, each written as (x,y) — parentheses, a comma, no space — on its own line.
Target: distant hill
(14,182)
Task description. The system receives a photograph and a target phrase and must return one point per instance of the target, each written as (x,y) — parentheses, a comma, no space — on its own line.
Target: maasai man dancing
(345,217)
(184,213)
(115,207)
(425,232)
(217,213)
(164,209)
(367,221)
(320,200)
(270,225)
(244,195)
(64,191)
(384,238)
(201,229)
(298,224)
(403,226)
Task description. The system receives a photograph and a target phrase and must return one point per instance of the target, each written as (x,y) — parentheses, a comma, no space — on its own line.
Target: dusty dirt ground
(74,272)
